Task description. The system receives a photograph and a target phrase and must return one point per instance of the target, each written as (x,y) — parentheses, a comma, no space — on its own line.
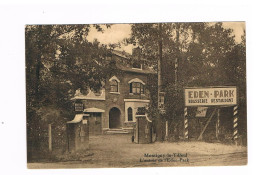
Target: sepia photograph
(125,95)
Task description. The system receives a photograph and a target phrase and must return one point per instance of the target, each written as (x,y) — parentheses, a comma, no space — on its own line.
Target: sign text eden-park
(211,96)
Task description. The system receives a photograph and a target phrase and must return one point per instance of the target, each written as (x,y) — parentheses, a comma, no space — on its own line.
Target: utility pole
(160,131)
(160,62)
(176,59)
(176,75)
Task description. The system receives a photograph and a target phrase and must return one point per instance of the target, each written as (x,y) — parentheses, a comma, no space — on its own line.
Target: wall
(111,100)
(117,100)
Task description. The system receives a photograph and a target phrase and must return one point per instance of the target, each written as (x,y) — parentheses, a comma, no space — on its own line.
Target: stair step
(116,131)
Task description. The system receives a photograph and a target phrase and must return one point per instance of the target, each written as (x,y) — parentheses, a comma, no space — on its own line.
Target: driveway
(118,151)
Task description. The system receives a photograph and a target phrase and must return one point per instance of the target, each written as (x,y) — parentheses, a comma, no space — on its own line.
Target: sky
(115,34)
(118,32)
(238,29)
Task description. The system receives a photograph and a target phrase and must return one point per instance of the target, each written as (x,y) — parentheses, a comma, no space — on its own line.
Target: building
(114,108)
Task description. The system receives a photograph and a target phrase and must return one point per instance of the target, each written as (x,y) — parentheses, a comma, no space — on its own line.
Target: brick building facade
(124,92)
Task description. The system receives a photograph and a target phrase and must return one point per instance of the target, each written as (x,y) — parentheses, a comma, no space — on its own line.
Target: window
(136,88)
(130,114)
(113,86)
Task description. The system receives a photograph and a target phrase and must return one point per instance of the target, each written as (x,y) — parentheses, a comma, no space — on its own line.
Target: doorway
(114,118)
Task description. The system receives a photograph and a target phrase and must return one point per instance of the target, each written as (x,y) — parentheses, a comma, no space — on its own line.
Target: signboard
(201,112)
(78,107)
(211,96)
(161,101)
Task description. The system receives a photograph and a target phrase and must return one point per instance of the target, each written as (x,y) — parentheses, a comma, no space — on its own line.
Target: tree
(196,51)
(59,59)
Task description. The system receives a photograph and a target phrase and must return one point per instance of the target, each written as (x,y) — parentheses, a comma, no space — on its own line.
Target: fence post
(166,132)
(186,131)
(217,125)
(50,138)
(235,124)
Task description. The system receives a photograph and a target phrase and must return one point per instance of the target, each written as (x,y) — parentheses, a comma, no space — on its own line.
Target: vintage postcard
(136,95)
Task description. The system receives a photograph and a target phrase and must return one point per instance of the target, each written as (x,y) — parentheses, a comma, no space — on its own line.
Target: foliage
(202,54)
(59,60)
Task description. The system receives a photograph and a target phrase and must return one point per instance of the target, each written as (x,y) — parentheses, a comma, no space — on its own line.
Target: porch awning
(77,118)
(93,110)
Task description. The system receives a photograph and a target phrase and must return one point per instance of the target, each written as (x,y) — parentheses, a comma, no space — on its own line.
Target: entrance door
(114,118)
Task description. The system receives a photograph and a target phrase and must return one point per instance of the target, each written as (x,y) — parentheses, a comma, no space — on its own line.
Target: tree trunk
(160,121)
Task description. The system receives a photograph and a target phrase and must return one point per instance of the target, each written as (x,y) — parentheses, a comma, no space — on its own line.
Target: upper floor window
(136,86)
(114,84)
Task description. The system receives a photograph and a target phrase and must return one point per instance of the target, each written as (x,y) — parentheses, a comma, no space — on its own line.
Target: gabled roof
(114,78)
(142,71)
(121,54)
(123,64)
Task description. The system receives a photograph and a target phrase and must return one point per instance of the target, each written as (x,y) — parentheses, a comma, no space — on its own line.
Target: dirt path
(119,151)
